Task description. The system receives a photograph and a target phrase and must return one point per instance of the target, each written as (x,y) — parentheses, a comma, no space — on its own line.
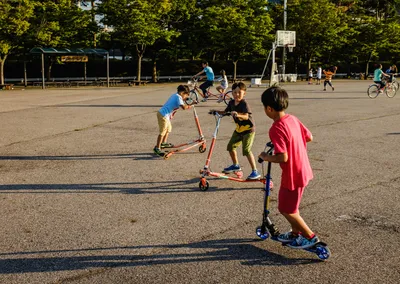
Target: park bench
(137,83)
(6,86)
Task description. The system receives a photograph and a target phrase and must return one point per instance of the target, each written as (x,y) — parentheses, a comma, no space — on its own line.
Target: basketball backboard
(285,38)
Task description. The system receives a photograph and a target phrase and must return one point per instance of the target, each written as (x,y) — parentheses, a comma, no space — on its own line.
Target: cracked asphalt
(84,200)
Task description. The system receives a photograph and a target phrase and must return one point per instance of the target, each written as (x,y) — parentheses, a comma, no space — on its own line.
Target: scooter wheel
(202,148)
(203,185)
(322,252)
(261,235)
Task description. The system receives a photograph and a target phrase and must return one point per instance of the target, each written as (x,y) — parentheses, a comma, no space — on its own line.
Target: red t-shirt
(290,136)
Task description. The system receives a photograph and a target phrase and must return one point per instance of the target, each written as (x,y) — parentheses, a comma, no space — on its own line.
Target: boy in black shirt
(244,132)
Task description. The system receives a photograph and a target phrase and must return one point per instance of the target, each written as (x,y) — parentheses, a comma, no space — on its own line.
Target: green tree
(138,23)
(319,28)
(237,28)
(377,29)
(60,24)
(14,22)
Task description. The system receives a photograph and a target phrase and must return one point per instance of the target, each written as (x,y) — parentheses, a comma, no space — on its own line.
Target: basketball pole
(284,48)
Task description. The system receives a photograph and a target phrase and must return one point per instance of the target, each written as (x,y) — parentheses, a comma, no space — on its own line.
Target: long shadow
(225,250)
(177,186)
(141,106)
(134,156)
(118,106)
(393,133)
(330,98)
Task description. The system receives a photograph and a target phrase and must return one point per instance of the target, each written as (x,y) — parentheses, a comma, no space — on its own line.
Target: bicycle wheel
(390,90)
(373,91)
(228,97)
(193,96)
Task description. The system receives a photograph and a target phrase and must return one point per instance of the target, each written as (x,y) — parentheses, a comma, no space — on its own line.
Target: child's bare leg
(234,157)
(220,90)
(165,138)
(298,224)
(252,161)
(161,139)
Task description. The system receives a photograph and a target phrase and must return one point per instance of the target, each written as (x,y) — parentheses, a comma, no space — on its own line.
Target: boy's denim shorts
(237,139)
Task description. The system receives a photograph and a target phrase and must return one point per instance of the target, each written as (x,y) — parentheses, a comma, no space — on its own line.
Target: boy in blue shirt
(165,114)
(210,79)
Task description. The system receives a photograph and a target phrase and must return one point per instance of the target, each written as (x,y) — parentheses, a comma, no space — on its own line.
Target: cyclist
(210,78)
(378,77)
(392,71)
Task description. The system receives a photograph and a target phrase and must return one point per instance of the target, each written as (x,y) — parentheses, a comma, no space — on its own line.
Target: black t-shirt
(242,126)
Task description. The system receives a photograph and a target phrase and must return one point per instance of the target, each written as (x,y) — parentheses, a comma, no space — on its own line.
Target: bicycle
(196,92)
(390,88)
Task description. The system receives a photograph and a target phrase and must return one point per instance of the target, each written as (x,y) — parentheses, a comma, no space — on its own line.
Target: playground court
(84,200)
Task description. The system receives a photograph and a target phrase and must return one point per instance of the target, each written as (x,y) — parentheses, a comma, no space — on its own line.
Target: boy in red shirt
(289,137)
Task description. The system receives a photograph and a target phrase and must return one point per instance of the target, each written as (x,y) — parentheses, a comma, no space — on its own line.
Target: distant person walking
(310,76)
(319,75)
(329,73)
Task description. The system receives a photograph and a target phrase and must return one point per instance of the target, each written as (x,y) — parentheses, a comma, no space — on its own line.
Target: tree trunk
(367,67)
(2,71)
(234,69)
(2,62)
(139,67)
(140,49)
(154,75)
(49,68)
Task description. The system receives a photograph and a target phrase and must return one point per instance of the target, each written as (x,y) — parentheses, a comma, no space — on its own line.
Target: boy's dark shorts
(237,139)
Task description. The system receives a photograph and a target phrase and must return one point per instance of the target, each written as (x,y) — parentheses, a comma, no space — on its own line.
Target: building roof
(51,50)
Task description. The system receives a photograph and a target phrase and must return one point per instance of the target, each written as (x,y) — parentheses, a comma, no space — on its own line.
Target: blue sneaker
(254,175)
(287,238)
(231,169)
(302,242)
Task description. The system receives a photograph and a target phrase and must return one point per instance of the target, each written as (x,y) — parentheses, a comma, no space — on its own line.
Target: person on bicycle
(392,71)
(210,79)
(378,73)
(224,85)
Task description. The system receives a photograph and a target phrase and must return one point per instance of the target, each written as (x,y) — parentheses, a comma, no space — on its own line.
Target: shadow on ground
(242,250)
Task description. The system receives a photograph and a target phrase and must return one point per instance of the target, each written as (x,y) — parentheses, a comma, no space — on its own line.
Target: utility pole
(284,28)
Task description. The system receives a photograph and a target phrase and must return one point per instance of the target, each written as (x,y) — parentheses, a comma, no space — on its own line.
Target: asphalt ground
(84,200)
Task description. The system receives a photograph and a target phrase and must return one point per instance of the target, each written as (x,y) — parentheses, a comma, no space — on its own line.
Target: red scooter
(206,171)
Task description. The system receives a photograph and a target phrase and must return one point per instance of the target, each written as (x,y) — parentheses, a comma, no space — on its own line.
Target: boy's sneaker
(302,242)
(287,238)
(324,89)
(254,175)
(158,152)
(231,169)
(333,88)
(166,145)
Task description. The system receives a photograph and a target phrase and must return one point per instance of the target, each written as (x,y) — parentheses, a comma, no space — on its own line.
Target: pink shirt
(289,136)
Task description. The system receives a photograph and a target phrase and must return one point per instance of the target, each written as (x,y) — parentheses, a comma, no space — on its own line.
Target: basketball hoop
(290,47)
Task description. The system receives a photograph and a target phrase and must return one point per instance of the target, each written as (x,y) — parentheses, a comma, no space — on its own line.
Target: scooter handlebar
(214,112)
(269,151)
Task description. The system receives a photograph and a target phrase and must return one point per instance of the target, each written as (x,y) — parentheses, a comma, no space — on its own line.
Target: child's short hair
(222,72)
(204,62)
(241,85)
(183,89)
(276,98)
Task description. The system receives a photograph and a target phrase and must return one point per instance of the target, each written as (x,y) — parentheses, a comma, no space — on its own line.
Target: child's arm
(309,139)
(243,116)
(201,72)
(276,158)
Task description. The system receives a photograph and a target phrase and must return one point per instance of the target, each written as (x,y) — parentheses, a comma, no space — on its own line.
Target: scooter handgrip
(260,160)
